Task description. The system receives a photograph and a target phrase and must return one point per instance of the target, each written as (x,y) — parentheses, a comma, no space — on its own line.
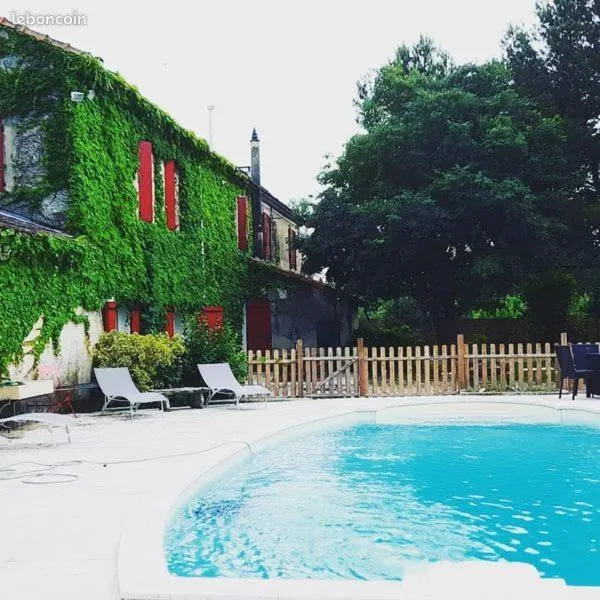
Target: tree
(457,190)
(558,63)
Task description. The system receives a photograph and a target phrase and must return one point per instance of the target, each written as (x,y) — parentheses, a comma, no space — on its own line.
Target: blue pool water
(363,501)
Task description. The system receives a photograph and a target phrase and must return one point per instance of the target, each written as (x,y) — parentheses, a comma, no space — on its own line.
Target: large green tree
(558,63)
(458,188)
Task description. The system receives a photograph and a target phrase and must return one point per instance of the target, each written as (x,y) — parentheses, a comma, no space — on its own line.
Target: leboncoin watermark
(29,19)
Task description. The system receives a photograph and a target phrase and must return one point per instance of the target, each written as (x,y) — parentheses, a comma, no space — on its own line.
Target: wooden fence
(422,370)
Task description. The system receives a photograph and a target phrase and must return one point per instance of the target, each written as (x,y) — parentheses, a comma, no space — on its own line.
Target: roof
(42,37)
(9,220)
(273,202)
(299,277)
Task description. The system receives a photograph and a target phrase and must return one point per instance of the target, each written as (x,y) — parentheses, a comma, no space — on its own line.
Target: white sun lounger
(116,385)
(49,420)
(219,378)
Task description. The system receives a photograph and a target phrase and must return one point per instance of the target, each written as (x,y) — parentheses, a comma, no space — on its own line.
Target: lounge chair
(219,378)
(116,385)
(49,420)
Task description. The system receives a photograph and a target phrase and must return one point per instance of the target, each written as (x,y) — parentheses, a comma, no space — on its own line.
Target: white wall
(74,359)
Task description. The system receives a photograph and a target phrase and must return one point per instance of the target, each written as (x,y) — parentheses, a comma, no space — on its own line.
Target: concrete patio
(60,540)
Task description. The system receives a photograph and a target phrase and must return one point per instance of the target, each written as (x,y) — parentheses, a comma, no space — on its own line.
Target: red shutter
(242,222)
(213,316)
(170,194)
(170,328)
(266,227)
(2,184)
(146,182)
(135,320)
(109,316)
(258,325)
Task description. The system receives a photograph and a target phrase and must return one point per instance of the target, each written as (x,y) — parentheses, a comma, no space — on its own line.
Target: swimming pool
(365,501)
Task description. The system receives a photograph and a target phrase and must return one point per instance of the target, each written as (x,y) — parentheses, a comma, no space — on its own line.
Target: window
(292,249)
(171,195)
(266,242)
(146,182)
(170,317)
(2,184)
(110,316)
(213,316)
(242,222)
(135,320)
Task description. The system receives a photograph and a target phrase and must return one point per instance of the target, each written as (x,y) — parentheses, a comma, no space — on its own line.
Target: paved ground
(60,540)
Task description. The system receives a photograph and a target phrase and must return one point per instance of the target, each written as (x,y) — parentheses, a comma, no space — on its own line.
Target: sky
(287,68)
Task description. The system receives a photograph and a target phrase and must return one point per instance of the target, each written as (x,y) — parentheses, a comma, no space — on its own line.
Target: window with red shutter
(2,184)
(146,182)
(170,327)
(266,228)
(171,208)
(110,316)
(135,320)
(242,222)
(213,316)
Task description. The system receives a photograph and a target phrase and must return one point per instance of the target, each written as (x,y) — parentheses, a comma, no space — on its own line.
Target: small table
(194,392)
(23,391)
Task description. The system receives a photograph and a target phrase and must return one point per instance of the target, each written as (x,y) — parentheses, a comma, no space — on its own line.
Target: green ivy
(91,150)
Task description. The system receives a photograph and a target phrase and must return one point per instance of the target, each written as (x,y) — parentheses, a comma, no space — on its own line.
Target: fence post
(300,368)
(563,339)
(363,374)
(460,367)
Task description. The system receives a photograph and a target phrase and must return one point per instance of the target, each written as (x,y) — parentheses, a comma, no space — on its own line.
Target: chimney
(255,157)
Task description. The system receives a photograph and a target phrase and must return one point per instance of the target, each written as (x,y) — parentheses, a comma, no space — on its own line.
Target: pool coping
(141,566)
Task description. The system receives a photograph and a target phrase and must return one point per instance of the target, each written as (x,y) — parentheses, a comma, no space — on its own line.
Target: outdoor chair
(580,353)
(117,386)
(49,420)
(568,370)
(219,378)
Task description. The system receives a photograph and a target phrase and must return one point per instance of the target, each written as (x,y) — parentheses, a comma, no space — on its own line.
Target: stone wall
(314,314)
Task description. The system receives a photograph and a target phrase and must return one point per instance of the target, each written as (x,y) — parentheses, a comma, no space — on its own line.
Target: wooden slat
(520,371)
(484,366)
(347,388)
(511,366)
(475,363)
(453,368)
(401,371)
(313,369)
(355,371)
(530,379)
(268,382)
(383,371)
(538,364)
(294,380)
(418,364)
(276,372)
(284,372)
(436,367)
(392,367)
(445,381)
(409,371)
(330,369)
(493,372)
(259,368)
(502,365)
(374,372)
(548,378)
(426,370)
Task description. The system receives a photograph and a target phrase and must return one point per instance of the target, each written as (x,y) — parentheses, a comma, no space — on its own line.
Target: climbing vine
(91,151)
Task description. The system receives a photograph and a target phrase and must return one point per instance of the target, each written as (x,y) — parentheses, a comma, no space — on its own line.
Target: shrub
(217,344)
(154,360)
(376,335)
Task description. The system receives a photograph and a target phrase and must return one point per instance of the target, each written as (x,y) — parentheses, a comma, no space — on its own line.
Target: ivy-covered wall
(91,152)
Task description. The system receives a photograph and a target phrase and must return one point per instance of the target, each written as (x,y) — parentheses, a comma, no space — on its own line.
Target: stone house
(112,216)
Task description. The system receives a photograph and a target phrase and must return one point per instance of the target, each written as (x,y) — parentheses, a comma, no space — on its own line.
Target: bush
(376,335)
(212,345)
(155,360)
